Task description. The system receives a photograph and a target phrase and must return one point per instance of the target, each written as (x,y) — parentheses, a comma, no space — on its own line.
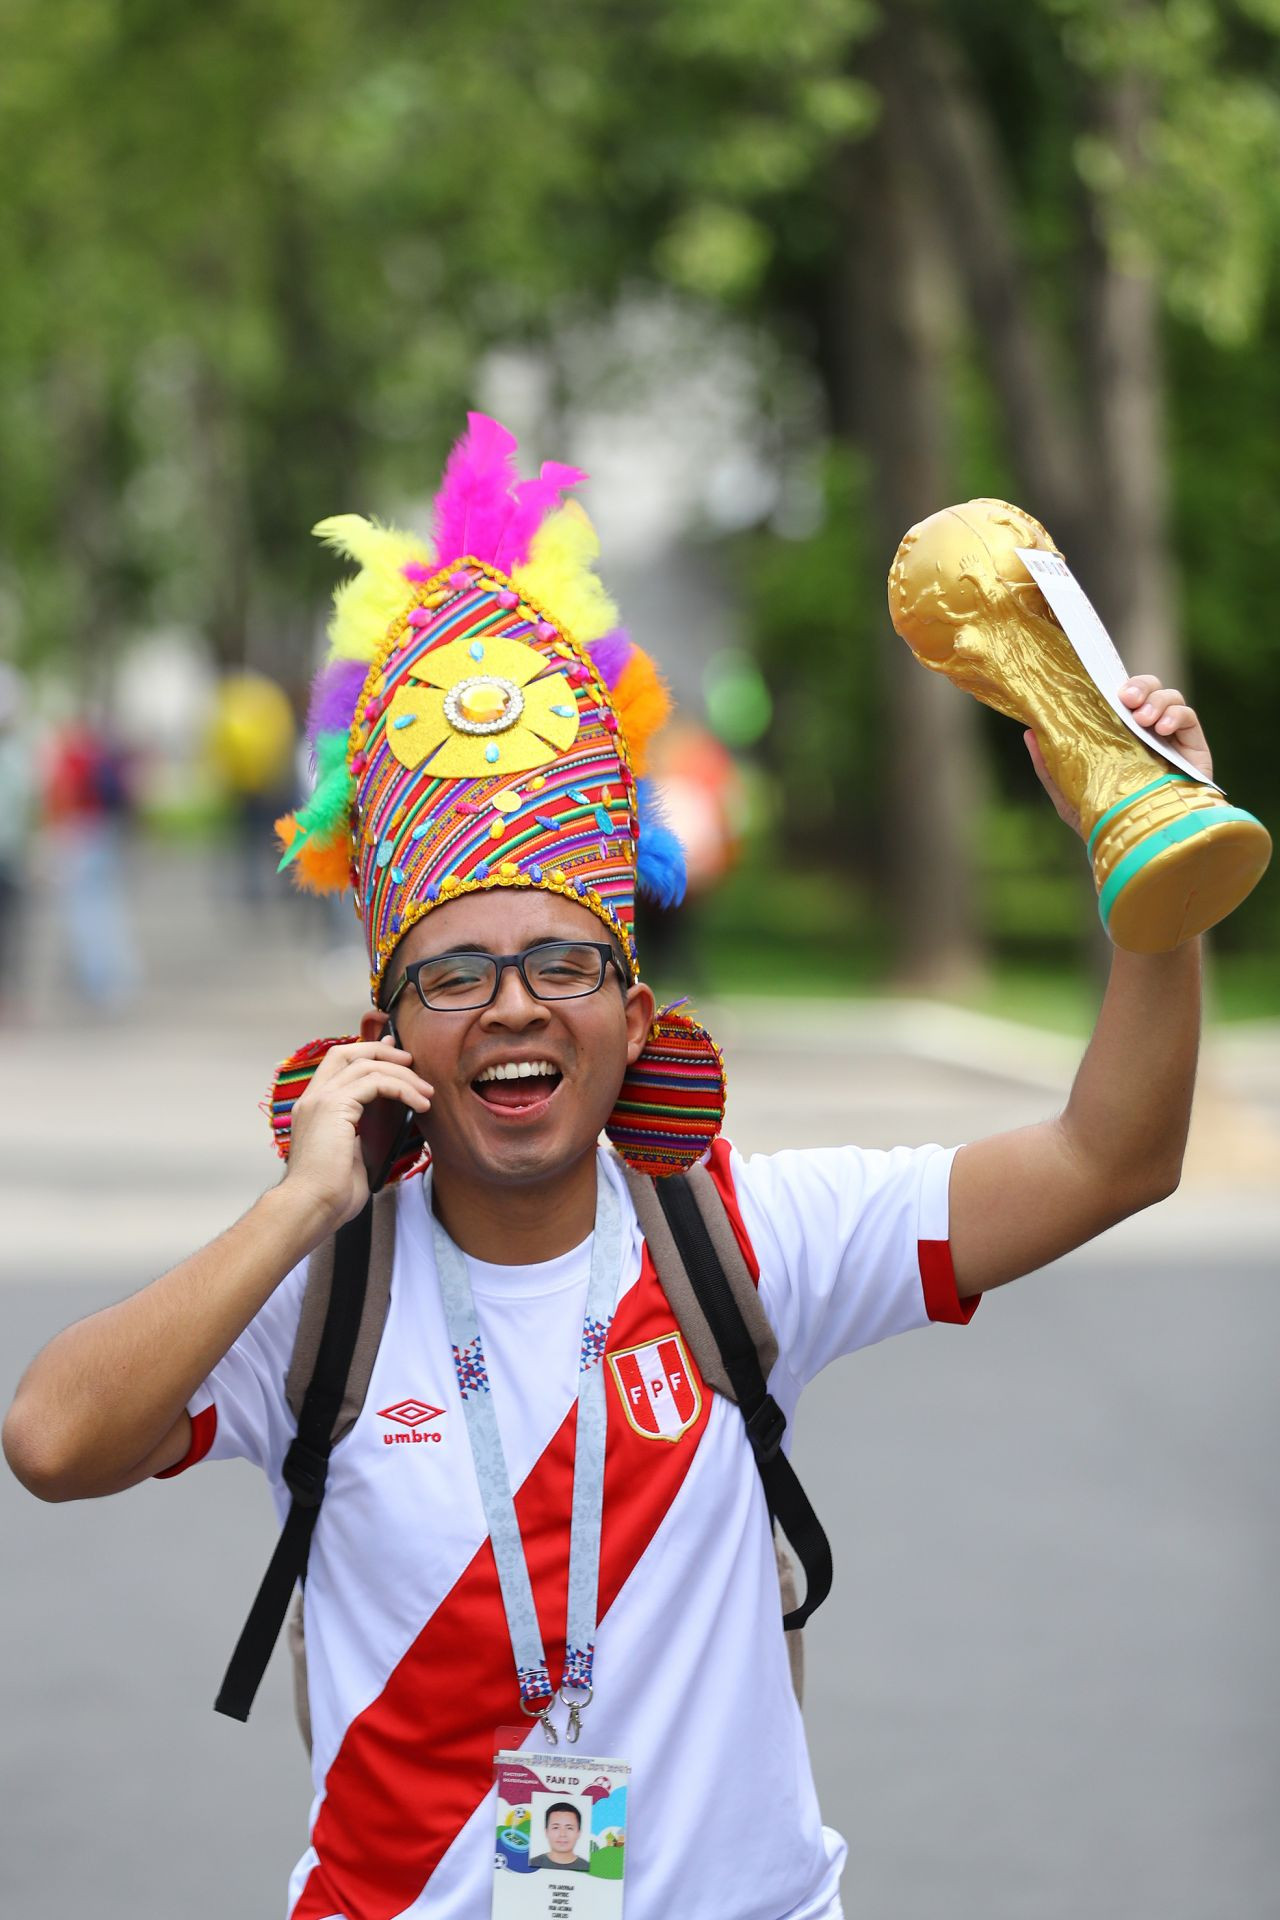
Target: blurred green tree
(253,255)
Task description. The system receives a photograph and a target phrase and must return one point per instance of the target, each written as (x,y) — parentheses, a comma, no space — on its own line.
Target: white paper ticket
(1095,648)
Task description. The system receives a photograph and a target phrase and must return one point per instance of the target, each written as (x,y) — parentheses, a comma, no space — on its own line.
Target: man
(588,1535)
(564,1824)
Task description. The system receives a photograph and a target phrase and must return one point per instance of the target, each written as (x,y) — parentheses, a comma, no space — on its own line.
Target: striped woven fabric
(549,802)
(671,1106)
(292,1078)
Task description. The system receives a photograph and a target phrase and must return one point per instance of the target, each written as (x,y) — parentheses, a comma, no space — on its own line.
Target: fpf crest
(659,1392)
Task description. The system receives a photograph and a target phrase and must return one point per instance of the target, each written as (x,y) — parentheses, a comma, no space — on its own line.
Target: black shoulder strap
(306,1467)
(765,1421)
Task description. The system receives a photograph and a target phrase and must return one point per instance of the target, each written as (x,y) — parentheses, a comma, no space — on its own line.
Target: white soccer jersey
(409,1662)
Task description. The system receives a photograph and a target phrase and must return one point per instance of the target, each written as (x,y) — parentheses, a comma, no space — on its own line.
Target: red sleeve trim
(203,1427)
(938,1278)
(718,1168)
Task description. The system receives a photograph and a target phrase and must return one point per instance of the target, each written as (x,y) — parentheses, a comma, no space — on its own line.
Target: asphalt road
(1045,1685)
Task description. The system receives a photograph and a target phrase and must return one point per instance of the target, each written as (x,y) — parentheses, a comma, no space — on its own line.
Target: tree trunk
(965,180)
(224,521)
(1100,491)
(894,309)
(1124,397)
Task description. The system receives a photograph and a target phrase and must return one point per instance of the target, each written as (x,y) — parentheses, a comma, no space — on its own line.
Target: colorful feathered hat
(483,721)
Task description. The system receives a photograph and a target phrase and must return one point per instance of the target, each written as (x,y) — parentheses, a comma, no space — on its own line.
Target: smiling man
(525,1073)
(586,1533)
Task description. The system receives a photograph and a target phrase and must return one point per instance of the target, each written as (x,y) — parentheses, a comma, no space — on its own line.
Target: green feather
(327,814)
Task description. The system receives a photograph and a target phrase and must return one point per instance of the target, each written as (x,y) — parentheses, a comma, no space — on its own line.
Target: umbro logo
(413,1415)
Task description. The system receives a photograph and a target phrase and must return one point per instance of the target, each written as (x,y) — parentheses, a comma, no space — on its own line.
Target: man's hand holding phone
(347,1122)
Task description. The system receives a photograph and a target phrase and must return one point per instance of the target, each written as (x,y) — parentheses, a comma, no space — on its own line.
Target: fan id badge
(560,1849)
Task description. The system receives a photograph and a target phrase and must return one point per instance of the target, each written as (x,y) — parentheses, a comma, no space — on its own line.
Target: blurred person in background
(251,740)
(479,730)
(17,809)
(698,791)
(88,806)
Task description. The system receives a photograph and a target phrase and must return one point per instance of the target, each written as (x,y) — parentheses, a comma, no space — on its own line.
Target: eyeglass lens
(560,970)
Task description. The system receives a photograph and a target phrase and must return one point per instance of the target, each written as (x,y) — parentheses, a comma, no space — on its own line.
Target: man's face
(529,1128)
(562,1832)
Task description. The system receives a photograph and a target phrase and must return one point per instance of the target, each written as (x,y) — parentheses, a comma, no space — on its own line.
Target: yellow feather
(558,575)
(364,607)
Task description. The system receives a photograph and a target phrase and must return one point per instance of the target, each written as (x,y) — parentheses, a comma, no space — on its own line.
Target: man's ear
(639,1014)
(375,1024)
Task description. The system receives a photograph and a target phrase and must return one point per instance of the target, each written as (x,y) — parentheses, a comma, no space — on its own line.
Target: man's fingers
(1163,708)
(1155,703)
(1134,691)
(1037,758)
(363,1082)
(370,1081)
(1066,812)
(1175,719)
(1164,711)
(353,1050)
(341,1062)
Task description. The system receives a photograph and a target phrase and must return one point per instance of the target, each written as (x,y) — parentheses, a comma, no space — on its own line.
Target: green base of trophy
(1171,860)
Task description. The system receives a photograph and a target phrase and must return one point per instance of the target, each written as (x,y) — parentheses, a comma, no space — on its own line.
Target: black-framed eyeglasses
(553,970)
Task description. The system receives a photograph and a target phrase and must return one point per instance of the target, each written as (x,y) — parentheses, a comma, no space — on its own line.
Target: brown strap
(676,1284)
(315,1305)
(687,1308)
(296,1638)
(790,1594)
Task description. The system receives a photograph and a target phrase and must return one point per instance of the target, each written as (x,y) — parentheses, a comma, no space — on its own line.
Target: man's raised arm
(103,1406)
(1022,1199)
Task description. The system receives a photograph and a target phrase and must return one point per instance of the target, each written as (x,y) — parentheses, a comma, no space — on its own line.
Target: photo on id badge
(561,1845)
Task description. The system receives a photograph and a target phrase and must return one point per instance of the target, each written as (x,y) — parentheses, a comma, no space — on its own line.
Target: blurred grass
(816,935)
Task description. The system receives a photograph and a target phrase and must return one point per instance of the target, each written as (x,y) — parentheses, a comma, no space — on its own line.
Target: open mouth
(517,1087)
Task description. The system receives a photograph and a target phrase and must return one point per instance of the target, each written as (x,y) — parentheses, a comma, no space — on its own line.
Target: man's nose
(513,1004)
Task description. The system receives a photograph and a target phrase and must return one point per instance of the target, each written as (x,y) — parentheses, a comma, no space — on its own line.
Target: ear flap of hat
(292,1078)
(671,1106)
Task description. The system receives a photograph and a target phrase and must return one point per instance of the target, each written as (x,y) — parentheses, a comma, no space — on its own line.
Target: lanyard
(588,1469)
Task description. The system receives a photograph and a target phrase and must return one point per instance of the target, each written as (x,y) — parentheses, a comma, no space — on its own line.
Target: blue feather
(660,867)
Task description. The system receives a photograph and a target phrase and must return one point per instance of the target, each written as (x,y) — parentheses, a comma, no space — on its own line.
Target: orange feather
(642,703)
(316,868)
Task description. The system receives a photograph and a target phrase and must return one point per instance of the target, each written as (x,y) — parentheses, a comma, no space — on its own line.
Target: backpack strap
(734,1346)
(679,1288)
(306,1464)
(373,1318)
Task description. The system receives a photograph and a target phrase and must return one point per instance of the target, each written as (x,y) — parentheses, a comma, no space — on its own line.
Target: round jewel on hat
(483,721)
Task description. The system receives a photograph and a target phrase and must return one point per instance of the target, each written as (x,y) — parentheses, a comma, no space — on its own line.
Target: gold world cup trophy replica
(1170,856)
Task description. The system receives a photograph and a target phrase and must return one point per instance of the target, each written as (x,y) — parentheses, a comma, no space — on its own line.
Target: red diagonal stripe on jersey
(415,1765)
(719,1169)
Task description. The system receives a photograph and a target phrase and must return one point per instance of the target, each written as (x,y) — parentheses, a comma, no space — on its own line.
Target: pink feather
(474,501)
(533,501)
(483,508)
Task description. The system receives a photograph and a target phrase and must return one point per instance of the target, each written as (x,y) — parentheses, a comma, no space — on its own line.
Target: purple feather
(610,654)
(474,501)
(334,693)
(533,501)
(419,570)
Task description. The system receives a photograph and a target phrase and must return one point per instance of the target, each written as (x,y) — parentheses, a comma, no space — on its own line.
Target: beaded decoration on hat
(482,720)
